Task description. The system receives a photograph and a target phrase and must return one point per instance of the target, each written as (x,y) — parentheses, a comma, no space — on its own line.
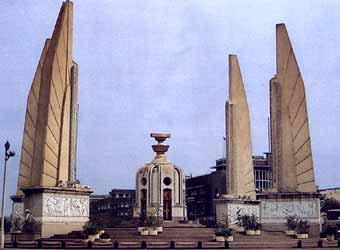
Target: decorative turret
(160,185)
(160,148)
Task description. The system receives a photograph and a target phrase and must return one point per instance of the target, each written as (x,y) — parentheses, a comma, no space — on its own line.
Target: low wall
(275,207)
(227,209)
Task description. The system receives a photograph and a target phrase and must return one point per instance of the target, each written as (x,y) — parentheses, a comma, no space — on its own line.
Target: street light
(8,154)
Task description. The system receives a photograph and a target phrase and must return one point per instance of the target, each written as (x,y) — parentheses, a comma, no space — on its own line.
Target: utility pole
(8,154)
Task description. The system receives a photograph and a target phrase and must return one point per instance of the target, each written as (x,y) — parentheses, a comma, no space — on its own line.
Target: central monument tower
(160,184)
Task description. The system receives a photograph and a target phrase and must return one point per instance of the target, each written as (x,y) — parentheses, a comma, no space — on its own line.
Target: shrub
(105,236)
(291,222)
(250,222)
(302,226)
(91,228)
(330,230)
(223,231)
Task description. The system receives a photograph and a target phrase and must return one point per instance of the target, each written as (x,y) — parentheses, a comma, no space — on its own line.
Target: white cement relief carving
(280,210)
(66,206)
(234,209)
(18,209)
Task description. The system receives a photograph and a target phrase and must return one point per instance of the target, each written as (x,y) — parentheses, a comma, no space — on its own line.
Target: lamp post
(8,154)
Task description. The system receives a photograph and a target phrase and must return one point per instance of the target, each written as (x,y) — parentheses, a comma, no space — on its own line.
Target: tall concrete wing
(240,173)
(291,143)
(49,140)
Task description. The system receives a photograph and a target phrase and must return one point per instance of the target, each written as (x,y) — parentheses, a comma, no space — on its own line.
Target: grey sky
(161,66)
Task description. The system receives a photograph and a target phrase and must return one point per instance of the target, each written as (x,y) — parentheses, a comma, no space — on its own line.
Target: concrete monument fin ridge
(293,169)
(240,175)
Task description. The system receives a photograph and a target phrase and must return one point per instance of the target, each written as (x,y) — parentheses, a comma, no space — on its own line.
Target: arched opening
(167,204)
(143,198)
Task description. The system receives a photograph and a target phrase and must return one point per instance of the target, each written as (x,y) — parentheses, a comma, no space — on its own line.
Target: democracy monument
(49,191)
(293,191)
(47,185)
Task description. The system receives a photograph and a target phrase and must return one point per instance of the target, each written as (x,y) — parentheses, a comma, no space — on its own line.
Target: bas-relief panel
(303,209)
(241,209)
(18,209)
(63,206)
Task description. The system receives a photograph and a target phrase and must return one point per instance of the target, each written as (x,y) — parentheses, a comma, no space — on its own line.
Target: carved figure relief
(303,209)
(65,206)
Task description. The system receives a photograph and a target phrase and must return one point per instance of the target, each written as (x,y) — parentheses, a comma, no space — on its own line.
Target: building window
(167,181)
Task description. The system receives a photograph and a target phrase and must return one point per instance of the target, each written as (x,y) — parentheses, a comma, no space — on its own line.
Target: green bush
(302,226)
(223,231)
(291,222)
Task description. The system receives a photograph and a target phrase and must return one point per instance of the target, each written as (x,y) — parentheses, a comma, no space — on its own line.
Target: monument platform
(275,207)
(58,209)
(228,208)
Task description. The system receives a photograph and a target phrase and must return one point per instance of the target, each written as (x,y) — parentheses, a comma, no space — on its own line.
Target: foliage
(291,222)
(327,228)
(91,228)
(302,226)
(18,223)
(250,222)
(240,218)
(329,203)
(153,218)
(31,226)
(222,230)
(104,236)
(7,224)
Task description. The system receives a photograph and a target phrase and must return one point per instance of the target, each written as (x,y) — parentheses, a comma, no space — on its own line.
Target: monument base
(275,207)
(17,210)
(57,210)
(227,209)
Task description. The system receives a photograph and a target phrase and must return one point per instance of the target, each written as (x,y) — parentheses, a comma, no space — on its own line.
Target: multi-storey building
(201,190)
(107,209)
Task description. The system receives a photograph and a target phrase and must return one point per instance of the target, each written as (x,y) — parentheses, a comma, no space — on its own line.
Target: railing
(79,244)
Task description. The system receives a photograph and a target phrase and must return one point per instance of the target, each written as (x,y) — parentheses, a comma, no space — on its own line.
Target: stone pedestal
(275,207)
(58,210)
(227,209)
(17,208)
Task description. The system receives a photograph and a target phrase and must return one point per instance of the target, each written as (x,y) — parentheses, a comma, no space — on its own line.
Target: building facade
(114,208)
(201,190)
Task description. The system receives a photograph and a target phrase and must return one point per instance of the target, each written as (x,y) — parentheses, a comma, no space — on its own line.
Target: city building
(331,193)
(201,190)
(112,208)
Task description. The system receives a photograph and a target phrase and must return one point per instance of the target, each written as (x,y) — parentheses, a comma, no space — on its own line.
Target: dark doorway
(143,196)
(167,204)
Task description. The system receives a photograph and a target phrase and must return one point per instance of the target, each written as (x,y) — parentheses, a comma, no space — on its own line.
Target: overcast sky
(161,66)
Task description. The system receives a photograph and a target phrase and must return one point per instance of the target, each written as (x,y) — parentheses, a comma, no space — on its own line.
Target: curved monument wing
(240,164)
(291,143)
(46,148)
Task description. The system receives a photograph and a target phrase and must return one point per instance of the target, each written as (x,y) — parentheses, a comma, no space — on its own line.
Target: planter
(302,236)
(257,232)
(219,238)
(144,232)
(240,229)
(323,239)
(250,232)
(159,229)
(93,237)
(153,231)
(290,232)
(330,237)
(229,238)
(104,240)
